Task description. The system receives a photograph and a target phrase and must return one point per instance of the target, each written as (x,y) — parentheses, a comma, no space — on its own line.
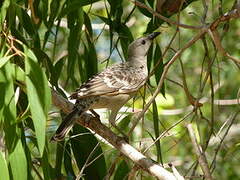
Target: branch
(165,71)
(170,21)
(119,143)
(201,156)
(235,13)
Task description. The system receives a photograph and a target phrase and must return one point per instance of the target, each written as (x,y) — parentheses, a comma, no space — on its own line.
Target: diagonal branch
(170,21)
(201,156)
(119,143)
(235,13)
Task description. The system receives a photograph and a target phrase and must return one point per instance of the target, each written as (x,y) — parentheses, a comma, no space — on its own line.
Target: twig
(235,13)
(154,13)
(201,156)
(95,125)
(166,68)
(216,39)
(176,173)
(232,120)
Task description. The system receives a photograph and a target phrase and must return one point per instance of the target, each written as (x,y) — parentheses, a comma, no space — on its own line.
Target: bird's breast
(112,102)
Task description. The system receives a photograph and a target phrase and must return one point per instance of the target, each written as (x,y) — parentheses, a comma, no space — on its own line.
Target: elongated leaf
(38,94)
(122,171)
(59,157)
(91,63)
(20,74)
(82,147)
(156,131)
(116,10)
(18,162)
(47,169)
(18,35)
(3,167)
(29,26)
(3,60)
(75,5)
(68,162)
(54,8)
(124,124)
(57,71)
(160,67)
(143,10)
(104,19)
(26,21)
(126,38)
(75,22)
(27,152)
(7,105)
(3,13)
(157,57)
(42,9)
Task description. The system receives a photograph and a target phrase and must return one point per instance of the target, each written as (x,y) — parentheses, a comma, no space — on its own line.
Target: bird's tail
(66,125)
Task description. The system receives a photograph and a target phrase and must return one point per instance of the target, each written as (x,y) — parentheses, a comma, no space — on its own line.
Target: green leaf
(152,25)
(47,169)
(42,9)
(44,61)
(39,97)
(54,8)
(75,5)
(104,19)
(3,10)
(3,167)
(88,24)
(156,131)
(126,38)
(18,162)
(68,162)
(26,21)
(29,26)
(91,64)
(19,35)
(156,58)
(81,67)
(75,22)
(84,149)
(143,10)
(57,71)
(124,124)
(7,105)
(122,171)
(27,151)
(59,157)
(19,73)
(116,9)
(3,60)
(160,67)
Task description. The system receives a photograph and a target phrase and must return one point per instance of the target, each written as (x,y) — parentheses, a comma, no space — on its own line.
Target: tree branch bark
(93,123)
(201,155)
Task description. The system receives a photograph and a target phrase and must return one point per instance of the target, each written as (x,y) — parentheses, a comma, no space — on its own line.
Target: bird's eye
(143,42)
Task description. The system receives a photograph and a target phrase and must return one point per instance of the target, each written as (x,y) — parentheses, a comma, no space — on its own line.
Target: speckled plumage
(113,87)
(117,79)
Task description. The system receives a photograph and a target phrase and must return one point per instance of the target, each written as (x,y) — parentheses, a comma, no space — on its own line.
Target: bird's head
(140,46)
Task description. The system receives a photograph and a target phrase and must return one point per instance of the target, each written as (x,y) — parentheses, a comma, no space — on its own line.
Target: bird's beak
(153,35)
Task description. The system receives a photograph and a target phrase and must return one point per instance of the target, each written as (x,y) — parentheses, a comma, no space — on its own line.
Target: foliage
(61,43)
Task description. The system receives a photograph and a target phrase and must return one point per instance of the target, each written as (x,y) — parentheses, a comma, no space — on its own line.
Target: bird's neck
(138,62)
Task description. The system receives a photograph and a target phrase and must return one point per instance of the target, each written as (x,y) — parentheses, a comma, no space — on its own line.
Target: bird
(111,88)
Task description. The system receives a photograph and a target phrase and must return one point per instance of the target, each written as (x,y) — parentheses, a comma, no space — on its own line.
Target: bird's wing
(117,79)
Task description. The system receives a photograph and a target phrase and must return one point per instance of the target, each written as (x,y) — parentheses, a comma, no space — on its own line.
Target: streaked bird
(111,88)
